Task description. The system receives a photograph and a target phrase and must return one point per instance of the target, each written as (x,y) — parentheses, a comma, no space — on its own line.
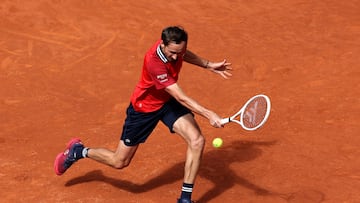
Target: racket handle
(225,121)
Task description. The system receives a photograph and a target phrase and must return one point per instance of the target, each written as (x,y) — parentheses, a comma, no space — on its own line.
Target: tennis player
(158,97)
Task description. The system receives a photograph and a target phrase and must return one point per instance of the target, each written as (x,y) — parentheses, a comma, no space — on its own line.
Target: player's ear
(162,45)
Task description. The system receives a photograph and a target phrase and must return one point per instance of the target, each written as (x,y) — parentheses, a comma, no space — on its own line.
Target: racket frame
(241,112)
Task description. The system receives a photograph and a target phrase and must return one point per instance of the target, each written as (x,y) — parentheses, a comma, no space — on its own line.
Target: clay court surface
(67,69)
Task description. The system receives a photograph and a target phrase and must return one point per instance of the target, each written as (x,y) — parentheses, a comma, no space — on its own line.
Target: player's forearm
(176,92)
(195,107)
(194,59)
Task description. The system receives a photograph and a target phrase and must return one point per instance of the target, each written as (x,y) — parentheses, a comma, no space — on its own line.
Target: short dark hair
(174,34)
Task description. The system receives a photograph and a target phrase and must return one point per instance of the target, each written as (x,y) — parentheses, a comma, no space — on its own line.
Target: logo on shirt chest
(162,77)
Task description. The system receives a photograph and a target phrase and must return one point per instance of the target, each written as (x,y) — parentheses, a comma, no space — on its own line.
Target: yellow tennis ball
(217,142)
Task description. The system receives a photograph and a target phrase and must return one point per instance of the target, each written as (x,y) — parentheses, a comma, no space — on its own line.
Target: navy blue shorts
(138,126)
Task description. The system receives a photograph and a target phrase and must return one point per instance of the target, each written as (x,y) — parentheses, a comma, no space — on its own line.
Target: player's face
(172,51)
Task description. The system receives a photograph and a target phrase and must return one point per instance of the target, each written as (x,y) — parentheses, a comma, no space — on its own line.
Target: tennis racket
(253,114)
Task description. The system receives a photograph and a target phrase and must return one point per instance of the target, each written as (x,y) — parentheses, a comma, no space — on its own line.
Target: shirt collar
(161,54)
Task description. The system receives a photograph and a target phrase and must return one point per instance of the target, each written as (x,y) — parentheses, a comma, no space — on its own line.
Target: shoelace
(71,158)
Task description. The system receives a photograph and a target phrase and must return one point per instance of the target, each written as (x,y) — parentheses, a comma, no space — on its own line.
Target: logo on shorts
(162,77)
(127,140)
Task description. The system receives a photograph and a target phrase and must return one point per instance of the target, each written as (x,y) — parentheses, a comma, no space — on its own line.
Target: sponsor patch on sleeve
(162,77)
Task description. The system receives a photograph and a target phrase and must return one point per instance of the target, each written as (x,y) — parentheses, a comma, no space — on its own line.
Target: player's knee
(120,164)
(198,142)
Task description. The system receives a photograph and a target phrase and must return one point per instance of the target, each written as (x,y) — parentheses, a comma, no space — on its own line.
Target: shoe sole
(58,157)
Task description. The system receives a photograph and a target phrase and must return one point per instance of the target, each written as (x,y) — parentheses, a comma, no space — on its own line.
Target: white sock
(85,152)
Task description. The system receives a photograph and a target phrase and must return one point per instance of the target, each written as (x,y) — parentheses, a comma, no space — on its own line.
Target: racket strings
(255,112)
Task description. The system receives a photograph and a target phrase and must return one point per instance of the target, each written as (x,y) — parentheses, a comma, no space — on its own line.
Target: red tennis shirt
(157,73)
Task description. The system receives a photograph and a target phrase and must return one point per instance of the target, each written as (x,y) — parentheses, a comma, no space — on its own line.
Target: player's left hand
(222,68)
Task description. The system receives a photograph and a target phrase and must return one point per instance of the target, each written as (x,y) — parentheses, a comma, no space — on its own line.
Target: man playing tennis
(157,97)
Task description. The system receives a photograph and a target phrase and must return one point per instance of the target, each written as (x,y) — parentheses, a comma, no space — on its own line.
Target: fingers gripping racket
(253,114)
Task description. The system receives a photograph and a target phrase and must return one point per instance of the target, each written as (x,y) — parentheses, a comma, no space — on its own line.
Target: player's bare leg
(118,159)
(187,127)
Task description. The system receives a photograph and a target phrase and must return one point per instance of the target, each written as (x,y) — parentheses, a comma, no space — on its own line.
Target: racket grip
(225,121)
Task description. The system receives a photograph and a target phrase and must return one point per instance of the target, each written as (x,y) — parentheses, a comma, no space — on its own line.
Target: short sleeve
(160,75)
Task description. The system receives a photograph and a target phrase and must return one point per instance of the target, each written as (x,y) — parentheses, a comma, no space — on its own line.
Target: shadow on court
(215,168)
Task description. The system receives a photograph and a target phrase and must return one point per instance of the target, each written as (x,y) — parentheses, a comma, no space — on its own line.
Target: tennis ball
(217,142)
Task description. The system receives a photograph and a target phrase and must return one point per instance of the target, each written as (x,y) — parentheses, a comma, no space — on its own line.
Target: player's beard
(173,60)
